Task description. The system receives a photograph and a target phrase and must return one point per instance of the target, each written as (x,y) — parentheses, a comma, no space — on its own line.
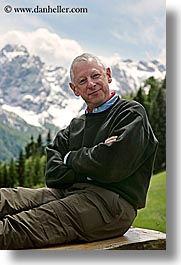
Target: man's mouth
(94,92)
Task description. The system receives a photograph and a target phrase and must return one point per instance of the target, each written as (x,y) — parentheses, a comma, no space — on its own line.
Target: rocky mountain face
(31,90)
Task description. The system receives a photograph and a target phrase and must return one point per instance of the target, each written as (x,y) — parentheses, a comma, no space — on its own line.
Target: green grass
(154,215)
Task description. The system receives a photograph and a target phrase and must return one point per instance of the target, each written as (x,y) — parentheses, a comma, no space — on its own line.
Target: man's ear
(109,76)
(73,87)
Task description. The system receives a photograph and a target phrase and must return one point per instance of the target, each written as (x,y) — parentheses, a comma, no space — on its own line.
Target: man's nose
(90,83)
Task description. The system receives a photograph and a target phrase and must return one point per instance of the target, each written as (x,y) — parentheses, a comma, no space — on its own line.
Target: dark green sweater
(124,166)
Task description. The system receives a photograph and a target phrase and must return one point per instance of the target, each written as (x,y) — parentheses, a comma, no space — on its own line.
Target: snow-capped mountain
(129,75)
(36,93)
(40,95)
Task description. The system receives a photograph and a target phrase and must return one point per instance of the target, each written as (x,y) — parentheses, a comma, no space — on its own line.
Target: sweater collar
(111,100)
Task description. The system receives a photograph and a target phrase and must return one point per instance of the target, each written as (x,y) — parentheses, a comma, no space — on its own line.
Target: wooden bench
(134,239)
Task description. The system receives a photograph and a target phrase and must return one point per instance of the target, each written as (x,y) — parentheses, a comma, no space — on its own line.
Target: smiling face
(91,82)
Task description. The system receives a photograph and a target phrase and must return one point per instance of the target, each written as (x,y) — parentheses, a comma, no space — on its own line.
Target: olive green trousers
(35,218)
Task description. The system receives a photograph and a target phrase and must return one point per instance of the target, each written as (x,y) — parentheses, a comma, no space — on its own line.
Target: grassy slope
(154,215)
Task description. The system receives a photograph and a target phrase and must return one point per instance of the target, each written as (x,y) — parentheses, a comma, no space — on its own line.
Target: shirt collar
(112,99)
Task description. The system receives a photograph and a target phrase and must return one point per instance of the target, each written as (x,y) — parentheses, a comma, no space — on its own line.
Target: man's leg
(36,228)
(87,213)
(15,200)
(93,213)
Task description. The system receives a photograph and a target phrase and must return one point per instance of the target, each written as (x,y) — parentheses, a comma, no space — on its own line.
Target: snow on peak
(13,51)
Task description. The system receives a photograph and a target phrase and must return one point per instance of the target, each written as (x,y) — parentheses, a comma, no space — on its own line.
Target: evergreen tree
(154,88)
(5,175)
(29,169)
(141,97)
(151,98)
(12,174)
(48,140)
(39,146)
(36,173)
(30,148)
(42,168)
(160,129)
(21,168)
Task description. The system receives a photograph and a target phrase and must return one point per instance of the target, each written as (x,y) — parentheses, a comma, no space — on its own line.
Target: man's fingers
(111,139)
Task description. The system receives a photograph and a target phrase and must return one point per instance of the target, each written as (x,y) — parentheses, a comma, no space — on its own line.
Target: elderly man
(97,174)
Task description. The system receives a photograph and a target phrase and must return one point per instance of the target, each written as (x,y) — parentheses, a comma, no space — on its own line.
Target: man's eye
(82,81)
(95,76)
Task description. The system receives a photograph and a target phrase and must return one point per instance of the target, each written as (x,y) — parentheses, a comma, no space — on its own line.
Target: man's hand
(111,139)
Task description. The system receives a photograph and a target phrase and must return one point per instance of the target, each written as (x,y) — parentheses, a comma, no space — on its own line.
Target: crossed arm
(110,161)
(58,174)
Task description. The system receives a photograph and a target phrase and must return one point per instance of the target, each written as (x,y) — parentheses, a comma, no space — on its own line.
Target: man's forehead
(89,64)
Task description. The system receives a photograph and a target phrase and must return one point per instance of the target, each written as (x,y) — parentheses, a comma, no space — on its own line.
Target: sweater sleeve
(117,160)
(57,174)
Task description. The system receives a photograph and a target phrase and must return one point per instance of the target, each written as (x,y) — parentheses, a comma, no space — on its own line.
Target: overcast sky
(133,29)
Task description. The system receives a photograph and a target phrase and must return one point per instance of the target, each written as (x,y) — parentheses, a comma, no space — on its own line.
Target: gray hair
(84,58)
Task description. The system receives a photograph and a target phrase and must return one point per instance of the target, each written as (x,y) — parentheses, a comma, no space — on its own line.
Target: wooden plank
(134,239)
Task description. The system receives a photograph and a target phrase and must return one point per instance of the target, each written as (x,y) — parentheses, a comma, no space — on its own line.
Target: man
(98,171)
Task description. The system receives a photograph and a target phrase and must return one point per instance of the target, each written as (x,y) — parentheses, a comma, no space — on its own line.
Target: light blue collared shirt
(105,105)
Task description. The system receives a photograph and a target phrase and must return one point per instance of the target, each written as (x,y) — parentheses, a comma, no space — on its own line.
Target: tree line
(28,170)
(152,95)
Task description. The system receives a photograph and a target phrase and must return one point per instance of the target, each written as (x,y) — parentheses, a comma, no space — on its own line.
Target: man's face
(91,82)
